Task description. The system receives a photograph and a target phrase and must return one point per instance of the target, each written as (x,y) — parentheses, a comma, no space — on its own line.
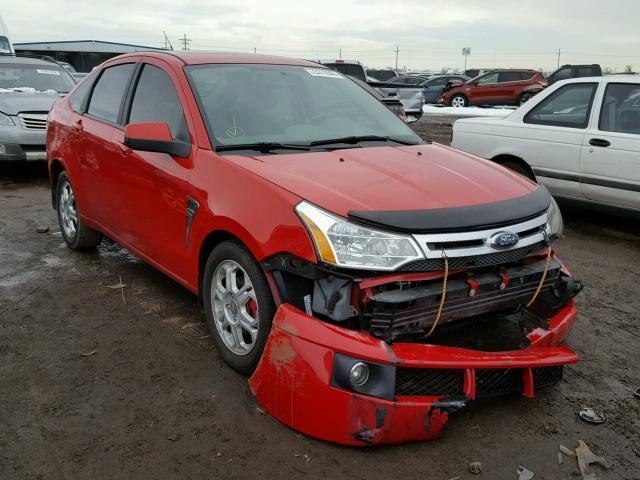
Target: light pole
(466,51)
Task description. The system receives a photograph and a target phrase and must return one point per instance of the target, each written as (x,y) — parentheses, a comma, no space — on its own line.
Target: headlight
(346,244)
(555,222)
(5,119)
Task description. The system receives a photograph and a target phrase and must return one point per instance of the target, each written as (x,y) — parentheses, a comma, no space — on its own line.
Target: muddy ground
(102,383)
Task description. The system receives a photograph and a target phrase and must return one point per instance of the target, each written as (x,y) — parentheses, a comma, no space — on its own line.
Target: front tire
(459,101)
(75,233)
(238,304)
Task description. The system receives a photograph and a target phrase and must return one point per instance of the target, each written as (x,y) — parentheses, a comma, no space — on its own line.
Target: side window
(487,79)
(156,100)
(586,72)
(509,77)
(569,106)
(526,75)
(109,92)
(621,108)
(438,82)
(562,74)
(79,95)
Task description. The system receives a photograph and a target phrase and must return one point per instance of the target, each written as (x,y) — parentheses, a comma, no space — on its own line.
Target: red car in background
(497,87)
(370,283)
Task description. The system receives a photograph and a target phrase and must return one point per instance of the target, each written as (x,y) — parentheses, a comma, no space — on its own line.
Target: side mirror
(154,137)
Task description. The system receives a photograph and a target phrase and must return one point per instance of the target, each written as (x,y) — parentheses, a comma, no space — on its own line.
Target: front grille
(475,261)
(445,382)
(544,376)
(33,121)
(498,381)
(429,382)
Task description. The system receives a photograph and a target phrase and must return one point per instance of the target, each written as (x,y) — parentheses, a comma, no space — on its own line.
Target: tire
(519,168)
(524,98)
(239,322)
(75,233)
(458,100)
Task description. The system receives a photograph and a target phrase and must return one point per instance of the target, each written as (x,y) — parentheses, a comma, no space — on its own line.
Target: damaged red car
(370,283)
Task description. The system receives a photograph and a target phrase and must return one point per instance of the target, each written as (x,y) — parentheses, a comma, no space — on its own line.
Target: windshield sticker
(323,72)
(48,72)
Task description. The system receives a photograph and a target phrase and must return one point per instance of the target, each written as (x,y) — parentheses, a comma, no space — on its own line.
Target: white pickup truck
(580,138)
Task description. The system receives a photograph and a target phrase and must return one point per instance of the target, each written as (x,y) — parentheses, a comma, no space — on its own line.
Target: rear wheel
(524,98)
(238,305)
(458,101)
(74,232)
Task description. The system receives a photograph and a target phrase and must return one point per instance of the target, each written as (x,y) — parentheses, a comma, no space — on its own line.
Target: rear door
(553,137)
(154,191)
(508,88)
(94,151)
(610,157)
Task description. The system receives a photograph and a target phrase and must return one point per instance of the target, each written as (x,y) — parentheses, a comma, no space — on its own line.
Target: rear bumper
(293,381)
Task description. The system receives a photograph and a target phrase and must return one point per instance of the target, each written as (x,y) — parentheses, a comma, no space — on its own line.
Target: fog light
(359,374)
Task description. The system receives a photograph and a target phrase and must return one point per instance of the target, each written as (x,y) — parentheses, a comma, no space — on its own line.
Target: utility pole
(185,42)
(340,54)
(167,43)
(397,50)
(255,50)
(559,53)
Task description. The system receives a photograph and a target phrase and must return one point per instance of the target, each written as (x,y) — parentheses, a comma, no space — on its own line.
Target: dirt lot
(104,383)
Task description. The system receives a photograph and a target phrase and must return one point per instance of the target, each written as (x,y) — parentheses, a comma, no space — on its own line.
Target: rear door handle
(599,142)
(77,124)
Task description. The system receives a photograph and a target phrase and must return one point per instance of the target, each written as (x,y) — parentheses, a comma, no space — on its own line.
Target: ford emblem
(503,240)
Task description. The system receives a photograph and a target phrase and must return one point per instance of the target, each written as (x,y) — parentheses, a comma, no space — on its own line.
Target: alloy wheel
(68,211)
(458,102)
(235,307)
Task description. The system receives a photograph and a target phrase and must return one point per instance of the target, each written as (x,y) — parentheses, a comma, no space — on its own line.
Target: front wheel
(238,305)
(75,233)
(458,101)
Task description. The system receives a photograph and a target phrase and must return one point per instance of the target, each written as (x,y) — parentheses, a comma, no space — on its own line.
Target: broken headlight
(343,243)
(554,220)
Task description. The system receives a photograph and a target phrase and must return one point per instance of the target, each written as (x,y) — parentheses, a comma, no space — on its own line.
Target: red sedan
(370,283)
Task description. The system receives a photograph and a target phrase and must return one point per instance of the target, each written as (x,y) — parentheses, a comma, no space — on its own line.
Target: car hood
(16,102)
(376,179)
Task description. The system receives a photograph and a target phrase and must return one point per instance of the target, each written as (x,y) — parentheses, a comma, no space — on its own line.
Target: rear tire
(238,305)
(524,98)
(75,233)
(519,168)
(459,101)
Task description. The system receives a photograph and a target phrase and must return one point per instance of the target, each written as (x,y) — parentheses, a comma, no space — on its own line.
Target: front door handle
(599,142)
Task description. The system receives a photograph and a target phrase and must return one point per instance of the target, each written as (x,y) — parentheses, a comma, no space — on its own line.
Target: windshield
(248,104)
(34,78)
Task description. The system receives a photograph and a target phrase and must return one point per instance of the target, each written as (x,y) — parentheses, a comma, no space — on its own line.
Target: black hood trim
(457,219)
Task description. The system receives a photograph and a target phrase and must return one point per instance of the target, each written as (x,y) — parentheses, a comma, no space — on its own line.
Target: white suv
(580,138)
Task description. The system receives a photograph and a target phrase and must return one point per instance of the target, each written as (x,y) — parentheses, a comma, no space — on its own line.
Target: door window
(108,93)
(438,82)
(526,75)
(569,106)
(487,79)
(586,72)
(621,108)
(562,74)
(509,77)
(156,100)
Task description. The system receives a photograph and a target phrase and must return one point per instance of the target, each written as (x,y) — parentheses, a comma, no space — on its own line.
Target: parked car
(498,87)
(345,264)
(574,71)
(392,103)
(351,68)
(28,88)
(6,47)
(382,75)
(580,138)
(432,87)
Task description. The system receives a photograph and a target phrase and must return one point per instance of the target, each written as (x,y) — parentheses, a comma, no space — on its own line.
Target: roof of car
(28,60)
(199,58)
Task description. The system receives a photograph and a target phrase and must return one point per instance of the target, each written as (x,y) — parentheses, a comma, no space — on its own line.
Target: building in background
(83,55)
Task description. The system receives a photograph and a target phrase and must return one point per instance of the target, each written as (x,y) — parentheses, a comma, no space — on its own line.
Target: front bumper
(15,152)
(293,379)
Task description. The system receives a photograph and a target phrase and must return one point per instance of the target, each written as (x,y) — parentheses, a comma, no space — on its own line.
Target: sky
(428,34)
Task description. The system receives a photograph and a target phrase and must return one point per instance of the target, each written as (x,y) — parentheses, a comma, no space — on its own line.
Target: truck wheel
(524,98)
(74,232)
(458,101)
(238,305)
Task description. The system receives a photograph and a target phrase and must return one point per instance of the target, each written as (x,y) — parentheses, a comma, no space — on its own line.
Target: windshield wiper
(361,138)
(262,147)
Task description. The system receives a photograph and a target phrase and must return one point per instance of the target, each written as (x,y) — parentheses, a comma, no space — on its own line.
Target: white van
(5,44)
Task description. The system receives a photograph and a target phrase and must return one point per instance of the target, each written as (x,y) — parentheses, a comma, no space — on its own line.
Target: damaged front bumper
(415,385)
